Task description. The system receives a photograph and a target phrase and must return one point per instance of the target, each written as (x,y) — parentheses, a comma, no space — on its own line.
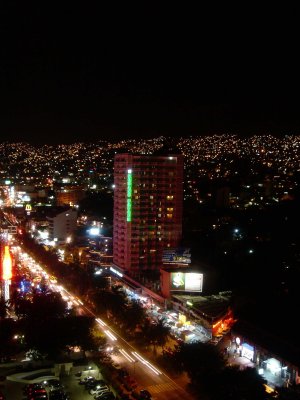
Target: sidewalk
(235,359)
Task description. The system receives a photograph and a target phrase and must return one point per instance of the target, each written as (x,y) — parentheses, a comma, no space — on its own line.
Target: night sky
(70,73)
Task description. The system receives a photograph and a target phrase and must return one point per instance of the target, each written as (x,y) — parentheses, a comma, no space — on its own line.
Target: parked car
(98,383)
(101,391)
(83,381)
(105,396)
(97,389)
(38,397)
(58,395)
(36,393)
(28,389)
(93,384)
(54,384)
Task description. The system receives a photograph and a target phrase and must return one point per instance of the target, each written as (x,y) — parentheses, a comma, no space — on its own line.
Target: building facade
(62,223)
(148,202)
(69,195)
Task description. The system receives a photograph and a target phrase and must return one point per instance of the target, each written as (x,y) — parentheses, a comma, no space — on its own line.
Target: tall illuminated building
(148,200)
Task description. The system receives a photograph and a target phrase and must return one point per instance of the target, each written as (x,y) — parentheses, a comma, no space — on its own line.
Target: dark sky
(85,73)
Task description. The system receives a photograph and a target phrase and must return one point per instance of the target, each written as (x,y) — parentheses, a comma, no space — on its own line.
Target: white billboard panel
(186,281)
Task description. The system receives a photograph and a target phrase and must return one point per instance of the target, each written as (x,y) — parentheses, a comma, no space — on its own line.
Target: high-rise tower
(148,201)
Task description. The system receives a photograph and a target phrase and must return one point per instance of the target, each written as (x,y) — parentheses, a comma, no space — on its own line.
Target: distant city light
(94,231)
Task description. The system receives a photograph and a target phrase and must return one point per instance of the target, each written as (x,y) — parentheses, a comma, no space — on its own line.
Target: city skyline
(75,76)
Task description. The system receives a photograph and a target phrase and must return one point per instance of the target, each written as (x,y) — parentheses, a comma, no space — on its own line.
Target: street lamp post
(134,362)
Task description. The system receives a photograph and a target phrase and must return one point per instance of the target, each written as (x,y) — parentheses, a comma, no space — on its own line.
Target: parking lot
(13,386)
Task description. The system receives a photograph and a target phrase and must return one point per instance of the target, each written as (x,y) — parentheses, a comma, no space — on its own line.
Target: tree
(3,307)
(99,339)
(54,335)
(231,383)
(157,333)
(212,379)
(134,314)
(78,331)
(200,360)
(22,307)
(110,301)
(9,330)
(47,305)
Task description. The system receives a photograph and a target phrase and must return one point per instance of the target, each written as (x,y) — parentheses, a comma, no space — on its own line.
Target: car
(105,396)
(39,397)
(144,394)
(57,394)
(97,383)
(105,358)
(36,393)
(54,384)
(101,391)
(116,365)
(83,381)
(91,385)
(93,391)
(115,350)
(28,389)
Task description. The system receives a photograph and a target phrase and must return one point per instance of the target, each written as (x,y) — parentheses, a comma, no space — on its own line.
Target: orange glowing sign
(6,264)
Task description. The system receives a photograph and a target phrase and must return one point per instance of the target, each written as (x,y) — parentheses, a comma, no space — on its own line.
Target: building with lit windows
(62,223)
(69,195)
(148,200)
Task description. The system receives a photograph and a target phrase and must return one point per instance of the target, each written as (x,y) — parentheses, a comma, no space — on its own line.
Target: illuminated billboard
(6,264)
(177,256)
(186,281)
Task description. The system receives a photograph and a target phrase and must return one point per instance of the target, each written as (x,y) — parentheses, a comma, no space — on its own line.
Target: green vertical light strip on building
(129,194)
